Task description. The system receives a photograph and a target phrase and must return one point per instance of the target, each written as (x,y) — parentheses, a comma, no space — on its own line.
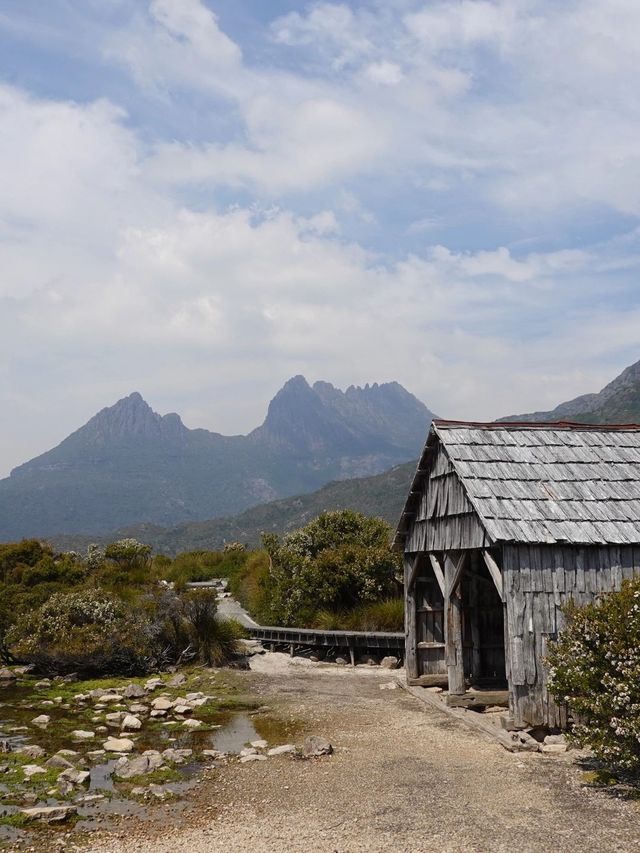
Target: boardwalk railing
(351,641)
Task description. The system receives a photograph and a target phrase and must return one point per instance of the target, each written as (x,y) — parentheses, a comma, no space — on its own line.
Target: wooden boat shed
(504,523)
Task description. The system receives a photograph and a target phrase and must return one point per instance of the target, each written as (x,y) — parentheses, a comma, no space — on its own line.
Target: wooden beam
(437,570)
(413,573)
(410,654)
(456,574)
(494,571)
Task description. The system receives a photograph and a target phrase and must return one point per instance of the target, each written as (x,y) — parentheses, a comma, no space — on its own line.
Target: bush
(595,669)
(215,640)
(87,632)
(386,615)
(339,561)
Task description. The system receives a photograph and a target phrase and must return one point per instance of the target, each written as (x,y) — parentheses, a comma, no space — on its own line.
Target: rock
(110,698)
(182,709)
(177,756)
(368,660)
(389,662)
(198,703)
(138,709)
(58,761)
(96,754)
(81,697)
(45,684)
(50,814)
(114,719)
(341,661)
(101,729)
(259,744)
(77,778)
(249,750)
(192,724)
(58,700)
(139,792)
(177,681)
(433,689)
(5,746)
(160,792)
(31,751)
(315,745)
(162,704)
(523,742)
(553,748)
(153,684)
(158,713)
(81,734)
(214,754)
(133,691)
(254,757)
(115,744)
(282,750)
(30,770)
(553,739)
(68,753)
(390,685)
(42,720)
(131,723)
(91,798)
(24,670)
(7,675)
(191,697)
(139,766)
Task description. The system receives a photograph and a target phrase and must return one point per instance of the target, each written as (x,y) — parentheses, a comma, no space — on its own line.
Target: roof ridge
(511,425)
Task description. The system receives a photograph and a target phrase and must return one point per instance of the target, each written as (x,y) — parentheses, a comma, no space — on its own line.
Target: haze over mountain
(129,465)
(618,402)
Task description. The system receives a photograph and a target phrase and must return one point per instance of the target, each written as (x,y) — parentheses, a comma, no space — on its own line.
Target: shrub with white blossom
(595,670)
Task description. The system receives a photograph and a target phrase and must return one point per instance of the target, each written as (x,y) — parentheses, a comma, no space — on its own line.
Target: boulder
(58,761)
(554,739)
(190,697)
(341,661)
(7,675)
(118,744)
(42,720)
(96,754)
(285,749)
(31,751)
(389,662)
(136,708)
(315,745)
(45,684)
(133,691)
(158,713)
(249,750)
(110,698)
(177,756)
(162,704)
(153,684)
(76,778)
(30,770)
(49,814)
(139,766)
(182,709)
(131,723)
(81,734)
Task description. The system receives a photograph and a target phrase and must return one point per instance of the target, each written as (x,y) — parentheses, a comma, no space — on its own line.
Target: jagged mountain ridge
(129,465)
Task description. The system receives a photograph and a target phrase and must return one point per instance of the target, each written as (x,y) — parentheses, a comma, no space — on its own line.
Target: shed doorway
(482,626)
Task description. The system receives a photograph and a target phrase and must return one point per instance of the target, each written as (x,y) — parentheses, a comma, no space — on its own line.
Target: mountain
(129,465)
(617,403)
(382,495)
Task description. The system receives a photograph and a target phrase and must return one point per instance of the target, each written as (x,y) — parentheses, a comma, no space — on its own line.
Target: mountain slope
(129,465)
(382,495)
(618,402)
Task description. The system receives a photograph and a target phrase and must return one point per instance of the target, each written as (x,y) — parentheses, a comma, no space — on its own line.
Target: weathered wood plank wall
(538,580)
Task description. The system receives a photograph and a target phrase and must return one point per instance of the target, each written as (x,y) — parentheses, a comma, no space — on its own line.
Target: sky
(202,198)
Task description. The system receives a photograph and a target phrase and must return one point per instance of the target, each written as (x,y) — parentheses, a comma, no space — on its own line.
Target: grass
(386,615)
(162,776)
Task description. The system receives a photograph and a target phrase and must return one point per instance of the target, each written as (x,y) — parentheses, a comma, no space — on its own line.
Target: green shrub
(87,632)
(595,669)
(339,561)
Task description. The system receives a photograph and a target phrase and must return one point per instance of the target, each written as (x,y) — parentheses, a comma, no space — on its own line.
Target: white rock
(389,662)
(30,770)
(259,744)
(191,696)
(158,713)
(42,720)
(131,723)
(115,744)
(282,750)
(553,748)
(31,751)
(182,709)
(248,750)
(192,724)
(114,719)
(247,758)
(81,734)
(162,704)
(391,685)
(49,814)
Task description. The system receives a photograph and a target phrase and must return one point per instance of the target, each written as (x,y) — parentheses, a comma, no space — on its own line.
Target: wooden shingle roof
(543,482)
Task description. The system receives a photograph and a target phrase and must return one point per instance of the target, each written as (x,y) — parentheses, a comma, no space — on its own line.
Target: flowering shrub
(595,669)
(87,631)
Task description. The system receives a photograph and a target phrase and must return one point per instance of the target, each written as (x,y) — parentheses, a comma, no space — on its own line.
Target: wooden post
(453,604)
(475,627)
(352,655)
(410,628)
(291,650)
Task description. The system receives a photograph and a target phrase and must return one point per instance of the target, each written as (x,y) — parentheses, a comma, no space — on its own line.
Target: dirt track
(403,778)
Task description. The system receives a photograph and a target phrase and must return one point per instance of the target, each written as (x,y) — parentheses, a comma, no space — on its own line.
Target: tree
(340,560)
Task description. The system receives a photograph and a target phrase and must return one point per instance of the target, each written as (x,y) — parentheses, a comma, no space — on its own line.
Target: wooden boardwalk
(353,642)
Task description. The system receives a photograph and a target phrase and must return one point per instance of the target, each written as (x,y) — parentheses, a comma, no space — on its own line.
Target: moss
(17,820)
(599,778)
(158,777)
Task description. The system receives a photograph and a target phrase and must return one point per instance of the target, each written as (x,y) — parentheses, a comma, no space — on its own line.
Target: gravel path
(404,777)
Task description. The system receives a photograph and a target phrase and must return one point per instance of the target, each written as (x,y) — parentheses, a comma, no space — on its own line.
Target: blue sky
(201,198)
